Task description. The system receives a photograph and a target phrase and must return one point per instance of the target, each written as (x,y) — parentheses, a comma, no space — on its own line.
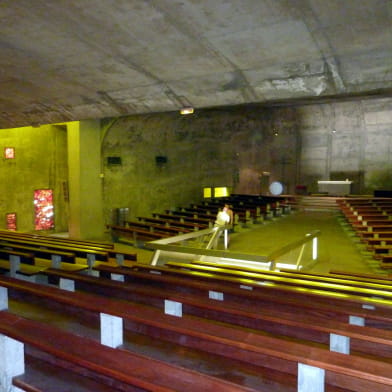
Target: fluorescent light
(187,110)
(286,266)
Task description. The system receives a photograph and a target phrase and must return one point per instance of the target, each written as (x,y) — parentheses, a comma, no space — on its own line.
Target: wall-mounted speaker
(114,160)
(160,160)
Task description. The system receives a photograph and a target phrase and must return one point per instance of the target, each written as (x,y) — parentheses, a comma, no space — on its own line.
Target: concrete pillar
(173,308)
(310,379)
(67,284)
(11,362)
(111,330)
(85,181)
(3,298)
(340,344)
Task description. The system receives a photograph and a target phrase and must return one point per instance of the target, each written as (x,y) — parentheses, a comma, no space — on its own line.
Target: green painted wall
(40,162)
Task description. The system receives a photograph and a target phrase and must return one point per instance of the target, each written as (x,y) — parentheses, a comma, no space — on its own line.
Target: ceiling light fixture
(187,110)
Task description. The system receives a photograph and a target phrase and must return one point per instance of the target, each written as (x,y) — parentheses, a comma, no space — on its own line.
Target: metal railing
(182,247)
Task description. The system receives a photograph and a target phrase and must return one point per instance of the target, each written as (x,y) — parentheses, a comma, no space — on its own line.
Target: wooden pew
(134,233)
(173,223)
(156,228)
(113,366)
(362,276)
(381,250)
(185,218)
(255,349)
(58,240)
(42,253)
(372,223)
(368,341)
(192,214)
(18,263)
(381,291)
(386,261)
(346,279)
(373,312)
(49,248)
(45,247)
(41,375)
(375,234)
(373,228)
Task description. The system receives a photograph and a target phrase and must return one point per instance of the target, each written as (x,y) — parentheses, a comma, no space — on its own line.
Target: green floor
(338,248)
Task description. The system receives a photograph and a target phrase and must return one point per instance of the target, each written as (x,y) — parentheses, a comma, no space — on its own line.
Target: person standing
(224,219)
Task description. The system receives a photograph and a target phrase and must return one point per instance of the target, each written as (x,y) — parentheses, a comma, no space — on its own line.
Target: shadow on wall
(249,182)
(379,179)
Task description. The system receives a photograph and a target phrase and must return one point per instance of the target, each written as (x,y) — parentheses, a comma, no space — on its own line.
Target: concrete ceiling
(68,60)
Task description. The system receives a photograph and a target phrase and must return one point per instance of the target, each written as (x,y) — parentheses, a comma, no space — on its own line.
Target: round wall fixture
(276,188)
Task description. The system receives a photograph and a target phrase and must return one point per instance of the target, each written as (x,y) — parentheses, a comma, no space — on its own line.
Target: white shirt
(222,219)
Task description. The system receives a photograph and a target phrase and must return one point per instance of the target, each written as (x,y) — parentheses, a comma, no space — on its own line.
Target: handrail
(171,246)
(294,245)
(167,245)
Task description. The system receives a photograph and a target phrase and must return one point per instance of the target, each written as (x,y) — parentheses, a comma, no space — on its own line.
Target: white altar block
(335,187)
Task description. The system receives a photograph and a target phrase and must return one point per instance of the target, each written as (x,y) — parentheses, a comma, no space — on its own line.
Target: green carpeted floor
(338,247)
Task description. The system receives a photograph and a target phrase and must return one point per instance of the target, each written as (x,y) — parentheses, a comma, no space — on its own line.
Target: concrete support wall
(85,183)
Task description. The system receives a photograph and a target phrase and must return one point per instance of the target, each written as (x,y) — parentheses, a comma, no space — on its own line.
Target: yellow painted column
(85,189)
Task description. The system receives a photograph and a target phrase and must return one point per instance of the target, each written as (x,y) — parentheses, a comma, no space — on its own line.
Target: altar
(338,188)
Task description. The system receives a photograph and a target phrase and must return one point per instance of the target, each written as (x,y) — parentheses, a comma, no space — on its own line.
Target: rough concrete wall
(40,162)
(211,148)
(347,140)
(244,148)
(247,149)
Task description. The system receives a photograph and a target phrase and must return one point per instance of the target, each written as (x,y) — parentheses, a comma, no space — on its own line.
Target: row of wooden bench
(264,328)
(28,254)
(371,220)
(196,217)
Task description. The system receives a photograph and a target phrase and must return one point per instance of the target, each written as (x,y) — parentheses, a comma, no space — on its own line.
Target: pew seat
(304,326)
(358,374)
(122,368)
